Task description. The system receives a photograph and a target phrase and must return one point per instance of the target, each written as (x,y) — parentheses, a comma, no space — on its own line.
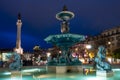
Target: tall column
(18,48)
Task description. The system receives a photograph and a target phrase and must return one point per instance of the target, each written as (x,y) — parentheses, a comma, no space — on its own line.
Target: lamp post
(88,47)
(109,52)
(49,57)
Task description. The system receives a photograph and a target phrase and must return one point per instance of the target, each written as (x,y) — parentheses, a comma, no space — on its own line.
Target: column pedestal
(104,73)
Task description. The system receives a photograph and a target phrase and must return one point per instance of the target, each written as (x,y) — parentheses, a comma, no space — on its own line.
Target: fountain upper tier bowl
(67,39)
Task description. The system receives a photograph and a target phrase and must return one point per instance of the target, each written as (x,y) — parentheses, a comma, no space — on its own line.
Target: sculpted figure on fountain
(101,62)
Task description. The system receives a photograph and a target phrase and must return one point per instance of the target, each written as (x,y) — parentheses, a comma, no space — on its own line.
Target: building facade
(109,38)
(112,36)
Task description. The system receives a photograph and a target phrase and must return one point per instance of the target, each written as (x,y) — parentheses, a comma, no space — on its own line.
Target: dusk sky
(38,18)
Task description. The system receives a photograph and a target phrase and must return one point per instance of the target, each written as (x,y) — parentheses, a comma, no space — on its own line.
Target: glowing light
(0,57)
(109,42)
(82,60)
(6,56)
(109,60)
(48,54)
(92,70)
(19,50)
(91,55)
(33,57)
(16,78)
(86,71)
(116,69)
(96,78)
(76,49)
(60,51)
(7,73)
(85,55)
(31,70)
(88,46)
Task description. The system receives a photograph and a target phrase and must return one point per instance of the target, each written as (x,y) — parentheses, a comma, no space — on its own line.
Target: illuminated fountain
(64,63)
(64,41)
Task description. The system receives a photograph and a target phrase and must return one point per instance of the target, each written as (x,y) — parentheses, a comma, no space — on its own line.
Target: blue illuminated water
(41,74)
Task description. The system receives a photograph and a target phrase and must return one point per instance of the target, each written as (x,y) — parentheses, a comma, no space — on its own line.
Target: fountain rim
(66,35)
(71,15)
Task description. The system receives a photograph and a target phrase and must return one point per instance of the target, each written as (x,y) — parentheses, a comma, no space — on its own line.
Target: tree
(36,48)
(116,53)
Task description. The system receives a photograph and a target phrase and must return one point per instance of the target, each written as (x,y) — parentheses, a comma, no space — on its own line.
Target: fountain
(64,41)
(64,63)
(103,67)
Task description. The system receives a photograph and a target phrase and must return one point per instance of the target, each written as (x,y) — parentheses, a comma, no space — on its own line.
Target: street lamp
(48,54)
(109,52)
(60,52)
(109,42)
(88,46)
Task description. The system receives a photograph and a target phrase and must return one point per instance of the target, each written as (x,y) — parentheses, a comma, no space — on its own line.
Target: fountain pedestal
(16,75)
(61,69)
(64,69)
(104,73)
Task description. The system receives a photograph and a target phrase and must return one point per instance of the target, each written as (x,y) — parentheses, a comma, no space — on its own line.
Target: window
(118,38)
(118,44)
(117,30)
(112,32)
(113,44)
(109,33)
(112,38)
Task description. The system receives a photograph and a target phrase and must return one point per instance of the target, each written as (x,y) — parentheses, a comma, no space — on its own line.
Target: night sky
(38,18)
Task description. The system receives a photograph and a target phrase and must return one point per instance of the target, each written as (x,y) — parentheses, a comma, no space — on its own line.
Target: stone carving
(101,62)
(15,61)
